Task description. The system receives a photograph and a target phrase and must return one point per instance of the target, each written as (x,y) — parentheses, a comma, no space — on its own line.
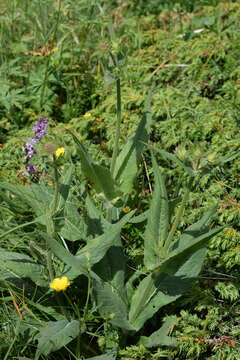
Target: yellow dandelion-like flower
(126,209)
(87,115)
(60,151)
(60,284)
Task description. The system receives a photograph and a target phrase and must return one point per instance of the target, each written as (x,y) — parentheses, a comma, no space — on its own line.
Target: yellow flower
(60,284)
(126,209)
(60,151)
(87,115)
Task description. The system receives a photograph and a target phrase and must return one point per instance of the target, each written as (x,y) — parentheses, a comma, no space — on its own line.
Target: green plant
(170,263)
(178,164)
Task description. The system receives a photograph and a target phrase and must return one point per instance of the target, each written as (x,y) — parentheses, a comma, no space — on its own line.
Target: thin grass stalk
(13,341)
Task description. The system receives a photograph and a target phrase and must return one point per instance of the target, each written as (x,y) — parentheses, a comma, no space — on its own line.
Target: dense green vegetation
(125,199)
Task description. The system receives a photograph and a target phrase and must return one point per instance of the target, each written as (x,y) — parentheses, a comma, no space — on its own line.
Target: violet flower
(40,130)
(29,149)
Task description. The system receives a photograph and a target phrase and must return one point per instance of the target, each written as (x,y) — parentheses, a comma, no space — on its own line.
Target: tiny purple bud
(40,134)
(31,169)
(34,140)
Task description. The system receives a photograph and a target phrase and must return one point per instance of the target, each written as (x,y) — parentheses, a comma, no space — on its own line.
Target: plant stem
(87,300)
(50,221)
(17,227)
(49,265)
(53,206)
(118,124)
(42,96)
(169,240)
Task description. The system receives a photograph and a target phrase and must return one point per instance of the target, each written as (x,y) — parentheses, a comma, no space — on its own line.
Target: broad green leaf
(97,174)
(75,267)
(93,211)
(19,266)
(108,268)
(74,227)
(127,161)
(38,197)
(169,280)
(51,311)
(111,305)
(160,289)
(177,256)
(30,326)
(90,254)
(105,182)
(161,337)
(55,335)
(112,271)
(96,248)
(96,223)
(195,230)
(64,186)
(130,289)
(158,222)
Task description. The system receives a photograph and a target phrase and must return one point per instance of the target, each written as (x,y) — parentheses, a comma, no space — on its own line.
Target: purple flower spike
(40,125)
(40,130)
(29,149)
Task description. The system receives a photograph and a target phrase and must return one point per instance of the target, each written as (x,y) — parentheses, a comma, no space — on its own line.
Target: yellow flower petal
(60,151)
(87,115)
(60,284)
(126,209)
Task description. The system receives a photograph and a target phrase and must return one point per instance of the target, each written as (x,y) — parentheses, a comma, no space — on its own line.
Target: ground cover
(138,238)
